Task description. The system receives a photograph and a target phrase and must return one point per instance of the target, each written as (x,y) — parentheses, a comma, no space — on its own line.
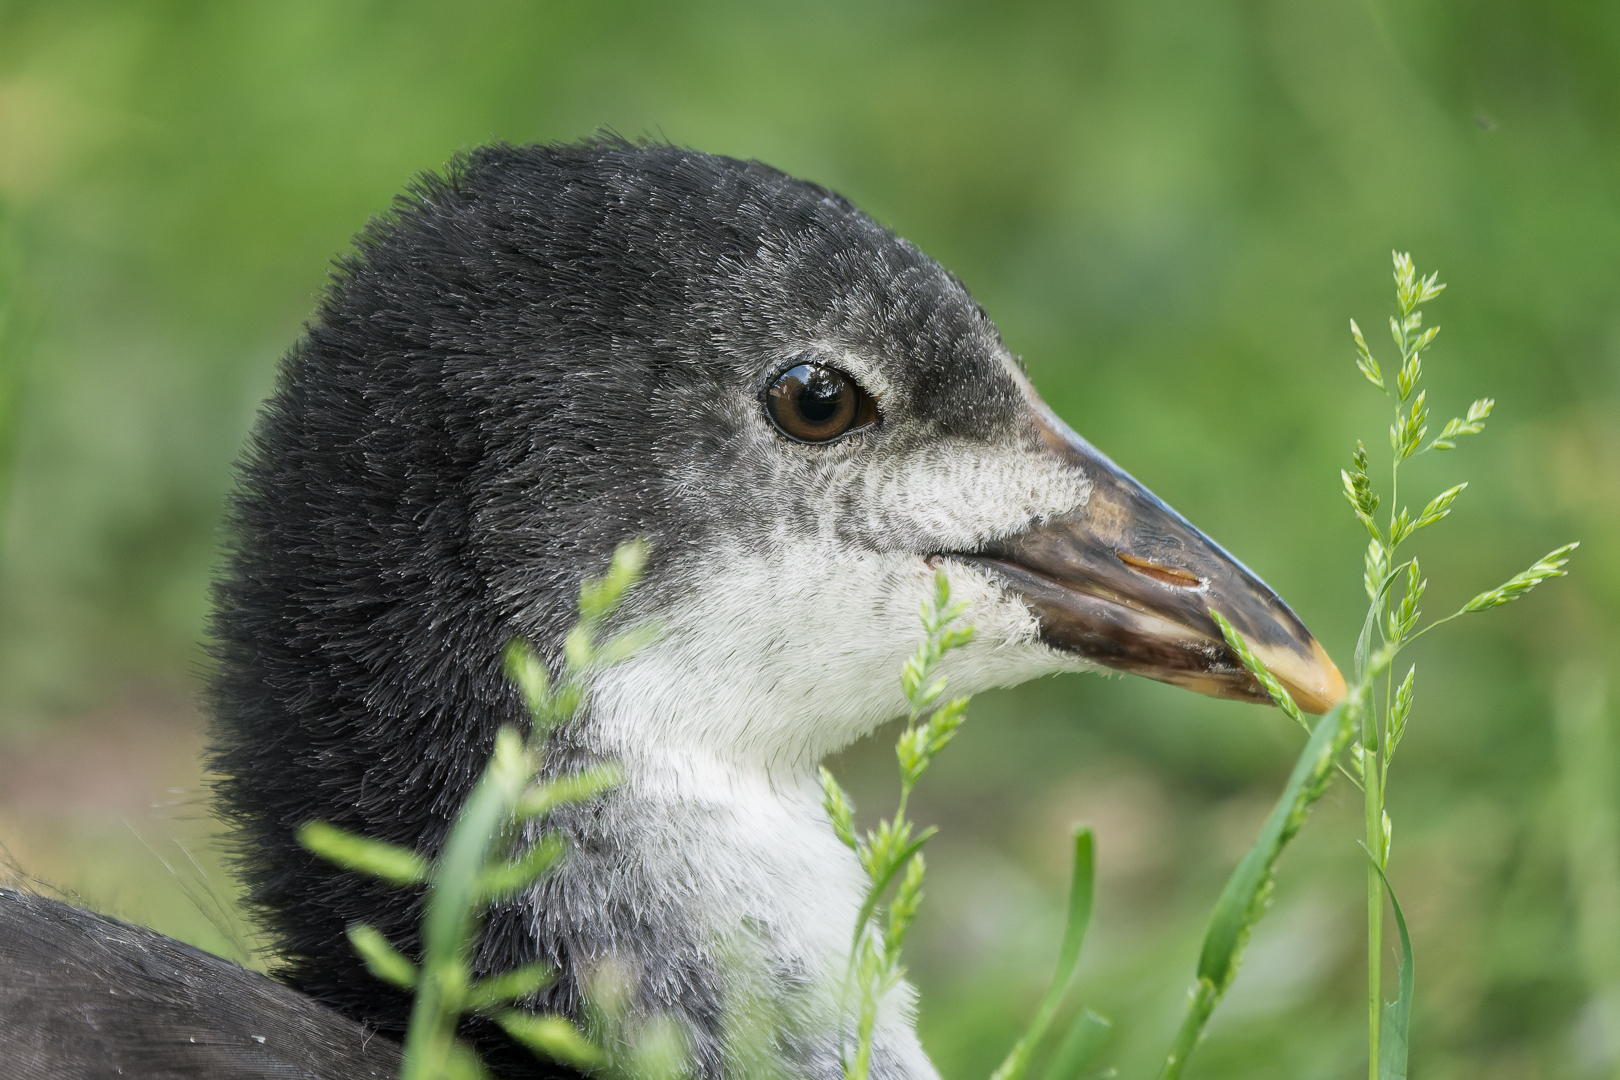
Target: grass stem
(1373,804)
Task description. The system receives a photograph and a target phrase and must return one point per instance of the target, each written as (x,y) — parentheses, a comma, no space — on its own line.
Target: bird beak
(1128,583)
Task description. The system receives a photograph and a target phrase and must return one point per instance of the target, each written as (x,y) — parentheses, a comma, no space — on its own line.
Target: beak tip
(1320,687)
(1305,671)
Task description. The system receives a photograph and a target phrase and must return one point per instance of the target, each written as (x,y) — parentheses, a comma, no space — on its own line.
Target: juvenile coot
(541,353)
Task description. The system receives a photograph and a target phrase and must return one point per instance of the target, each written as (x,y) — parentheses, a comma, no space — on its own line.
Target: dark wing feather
(86,996)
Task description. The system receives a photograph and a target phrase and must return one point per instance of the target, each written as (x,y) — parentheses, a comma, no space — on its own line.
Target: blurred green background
(1171,208)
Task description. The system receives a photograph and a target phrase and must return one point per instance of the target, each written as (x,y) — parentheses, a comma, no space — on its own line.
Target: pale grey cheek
(949,495)
(953,497)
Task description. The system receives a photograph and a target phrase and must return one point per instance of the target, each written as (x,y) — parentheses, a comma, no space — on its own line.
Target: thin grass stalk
(1395,614)
(1082,889)
(891,850)
(1391,1059)
(451,910)
(1373,807)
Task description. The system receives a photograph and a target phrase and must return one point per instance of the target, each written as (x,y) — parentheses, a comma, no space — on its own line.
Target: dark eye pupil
(814,403)
(822,395)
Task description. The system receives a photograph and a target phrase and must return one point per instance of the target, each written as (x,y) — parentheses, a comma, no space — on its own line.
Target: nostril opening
(1169,575)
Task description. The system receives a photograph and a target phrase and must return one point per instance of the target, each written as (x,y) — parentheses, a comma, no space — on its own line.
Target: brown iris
(815,403)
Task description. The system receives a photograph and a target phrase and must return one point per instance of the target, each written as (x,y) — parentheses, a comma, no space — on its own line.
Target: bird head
(554,349)
(806,416)
(550,350)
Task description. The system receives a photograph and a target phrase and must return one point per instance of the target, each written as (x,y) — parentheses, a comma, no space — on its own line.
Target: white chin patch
(780,661)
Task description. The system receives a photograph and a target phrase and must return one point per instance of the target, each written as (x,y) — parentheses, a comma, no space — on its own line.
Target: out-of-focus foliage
(11,353)
(1171,208)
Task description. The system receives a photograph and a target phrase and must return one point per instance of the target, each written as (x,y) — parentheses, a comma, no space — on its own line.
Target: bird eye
(814,403)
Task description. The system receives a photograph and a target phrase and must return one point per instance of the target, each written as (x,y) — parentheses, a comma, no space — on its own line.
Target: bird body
(548,351)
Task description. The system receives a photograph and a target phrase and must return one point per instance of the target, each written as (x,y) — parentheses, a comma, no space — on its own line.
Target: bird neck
(717,884)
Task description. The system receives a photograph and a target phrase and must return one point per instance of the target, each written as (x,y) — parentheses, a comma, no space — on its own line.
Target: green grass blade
(462,1063)
(1248,890)
(1086,1036)
(394,864)
(542,798)
(1082,890)
(553,1037)
(452,906)
(453,894)
(520,982)
(1279,696)
(1200,1003)
(1392,1038)
(382,959)
(505,878)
